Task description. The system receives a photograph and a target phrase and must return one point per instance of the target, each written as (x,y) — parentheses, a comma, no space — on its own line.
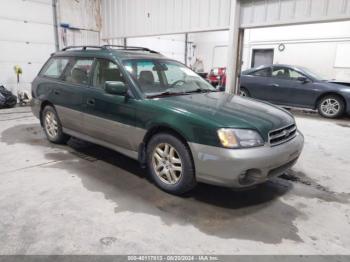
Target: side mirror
(115,88)
(303,79)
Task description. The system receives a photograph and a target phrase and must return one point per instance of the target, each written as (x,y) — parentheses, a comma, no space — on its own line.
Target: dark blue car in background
(294,86)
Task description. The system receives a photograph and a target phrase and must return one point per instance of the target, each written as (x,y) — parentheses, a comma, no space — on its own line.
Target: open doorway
(262,57)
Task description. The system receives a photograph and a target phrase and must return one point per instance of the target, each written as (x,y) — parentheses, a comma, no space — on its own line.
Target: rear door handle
(275,85)
(56,92)
(91,102)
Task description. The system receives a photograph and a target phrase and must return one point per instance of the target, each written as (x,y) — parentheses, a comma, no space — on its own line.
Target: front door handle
(91,102)
(275,85)
(56,92)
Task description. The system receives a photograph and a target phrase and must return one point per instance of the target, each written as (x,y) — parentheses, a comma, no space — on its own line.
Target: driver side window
(266,72)
(286,73)
(281,72)
(106,71)
(294,75)
(145,72)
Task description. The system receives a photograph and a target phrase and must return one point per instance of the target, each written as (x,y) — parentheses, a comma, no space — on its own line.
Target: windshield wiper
(165,93)
(169,93)
(200,90)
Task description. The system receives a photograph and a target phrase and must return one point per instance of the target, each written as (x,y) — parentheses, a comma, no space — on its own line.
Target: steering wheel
(176,83)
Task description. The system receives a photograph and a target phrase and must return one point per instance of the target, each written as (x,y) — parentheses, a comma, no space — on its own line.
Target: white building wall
(324,48)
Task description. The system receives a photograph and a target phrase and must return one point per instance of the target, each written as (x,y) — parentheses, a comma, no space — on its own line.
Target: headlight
(239,138)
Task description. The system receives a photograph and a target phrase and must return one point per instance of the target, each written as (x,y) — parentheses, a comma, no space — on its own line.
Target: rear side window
(55,67)
(80,71)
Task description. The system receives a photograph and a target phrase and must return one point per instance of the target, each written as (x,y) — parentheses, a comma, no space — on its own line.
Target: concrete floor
(84,199)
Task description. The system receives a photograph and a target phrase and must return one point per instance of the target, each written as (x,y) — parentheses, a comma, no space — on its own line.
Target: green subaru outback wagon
(158,111)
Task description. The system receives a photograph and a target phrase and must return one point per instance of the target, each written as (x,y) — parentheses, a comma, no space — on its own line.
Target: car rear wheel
(170,164)
(243,92)
(52,126)
(331,106)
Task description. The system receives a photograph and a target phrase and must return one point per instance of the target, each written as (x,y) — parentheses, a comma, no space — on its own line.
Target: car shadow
(257,214)
(214,195)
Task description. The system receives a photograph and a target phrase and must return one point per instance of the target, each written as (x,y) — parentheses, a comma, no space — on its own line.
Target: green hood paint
(197,117)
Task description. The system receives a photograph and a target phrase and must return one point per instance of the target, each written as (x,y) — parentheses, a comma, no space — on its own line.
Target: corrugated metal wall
(27,34)
(258,13)
(130,18)
(83,14)
(84,17)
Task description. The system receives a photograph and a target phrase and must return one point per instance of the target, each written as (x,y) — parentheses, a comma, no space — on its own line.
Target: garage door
(26,39)
(172,46)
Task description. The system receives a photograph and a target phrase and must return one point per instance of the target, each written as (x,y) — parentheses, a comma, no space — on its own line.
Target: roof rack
(120,47)
(83,47)
(131,48)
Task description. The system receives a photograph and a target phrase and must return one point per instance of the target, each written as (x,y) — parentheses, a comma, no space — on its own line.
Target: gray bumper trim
(221,166)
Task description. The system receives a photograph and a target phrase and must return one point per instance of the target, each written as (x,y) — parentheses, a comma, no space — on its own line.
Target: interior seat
(79,76)
(146,78)
(112,74)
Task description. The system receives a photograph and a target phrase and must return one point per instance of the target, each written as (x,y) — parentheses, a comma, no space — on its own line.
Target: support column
(234,49)
(125,42)
(55,24)
(186,48)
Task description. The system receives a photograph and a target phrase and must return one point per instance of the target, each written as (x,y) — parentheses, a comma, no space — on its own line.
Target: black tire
(338,110)
(187,180)
(244,92)
(60,137)
(11,102)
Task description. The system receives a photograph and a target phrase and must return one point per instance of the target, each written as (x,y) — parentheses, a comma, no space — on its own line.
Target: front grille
(282,135)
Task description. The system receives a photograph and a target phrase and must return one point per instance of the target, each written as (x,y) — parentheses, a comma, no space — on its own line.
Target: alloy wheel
(242,93)
(51,125)
(330,107)
(167,164)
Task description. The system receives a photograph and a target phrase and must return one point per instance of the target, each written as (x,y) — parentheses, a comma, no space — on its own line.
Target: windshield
(312,74)
(165,77)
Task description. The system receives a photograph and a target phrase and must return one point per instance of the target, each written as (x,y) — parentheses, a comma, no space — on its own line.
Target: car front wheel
(170,164)
(52,126)
(331,106)
(243,92)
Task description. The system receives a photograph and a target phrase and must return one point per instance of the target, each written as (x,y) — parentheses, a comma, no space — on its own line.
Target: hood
(227,110)
(334,86)
(342,84)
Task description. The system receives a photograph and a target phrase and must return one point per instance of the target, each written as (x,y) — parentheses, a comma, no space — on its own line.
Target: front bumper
(230,167)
